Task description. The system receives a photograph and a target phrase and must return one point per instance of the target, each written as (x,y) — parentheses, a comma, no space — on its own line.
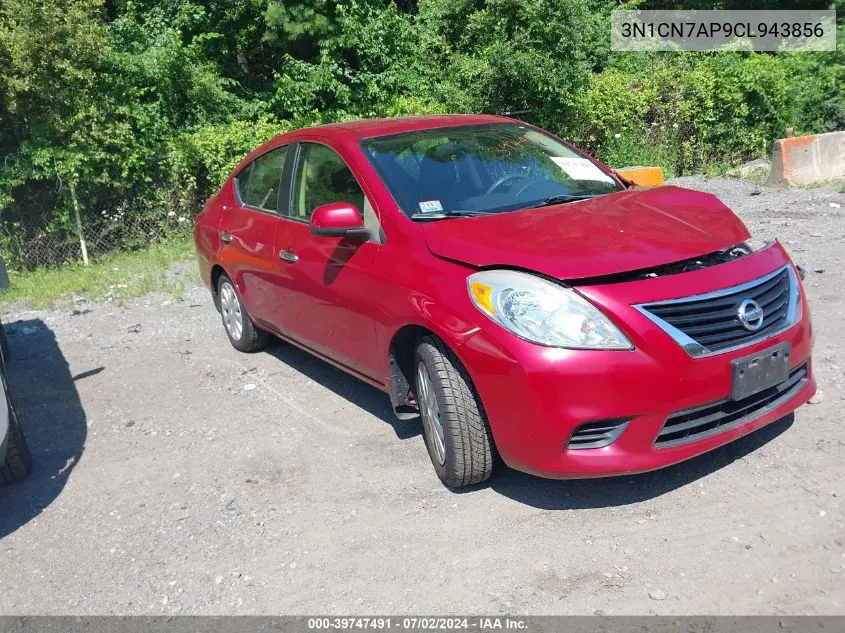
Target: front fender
(433,299)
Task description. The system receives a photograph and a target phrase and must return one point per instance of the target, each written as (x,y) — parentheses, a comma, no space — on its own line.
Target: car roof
(368,128)
(352,131)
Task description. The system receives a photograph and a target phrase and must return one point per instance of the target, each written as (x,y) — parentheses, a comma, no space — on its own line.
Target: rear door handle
(288,256)
(226,237)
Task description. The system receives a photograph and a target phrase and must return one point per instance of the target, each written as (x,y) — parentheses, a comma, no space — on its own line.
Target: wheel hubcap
(230,307)
(430,413)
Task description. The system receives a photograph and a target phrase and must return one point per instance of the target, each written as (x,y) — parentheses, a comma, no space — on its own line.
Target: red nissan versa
(521,296)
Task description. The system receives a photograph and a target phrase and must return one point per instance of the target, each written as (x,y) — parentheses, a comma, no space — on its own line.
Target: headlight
(543,312)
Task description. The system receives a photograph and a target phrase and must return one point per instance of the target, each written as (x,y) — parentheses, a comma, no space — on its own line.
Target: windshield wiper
(442,215)
(563,198)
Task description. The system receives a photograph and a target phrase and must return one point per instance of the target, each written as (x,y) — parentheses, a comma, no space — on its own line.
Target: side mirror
(338,219)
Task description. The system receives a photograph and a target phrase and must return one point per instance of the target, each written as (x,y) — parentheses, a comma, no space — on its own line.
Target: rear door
(329,279)
(248,232)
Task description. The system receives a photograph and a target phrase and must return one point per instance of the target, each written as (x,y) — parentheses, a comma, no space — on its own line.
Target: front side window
(258,182)
(482,169)
(323,177)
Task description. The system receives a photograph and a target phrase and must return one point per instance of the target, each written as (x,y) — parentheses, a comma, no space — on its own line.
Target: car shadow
(359,393)
(579,494)
(51,414)
(546,494)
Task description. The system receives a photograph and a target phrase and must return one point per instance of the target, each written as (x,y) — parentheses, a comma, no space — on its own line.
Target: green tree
(502,56)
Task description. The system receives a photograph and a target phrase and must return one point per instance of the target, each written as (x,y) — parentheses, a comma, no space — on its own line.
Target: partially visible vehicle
(15,458)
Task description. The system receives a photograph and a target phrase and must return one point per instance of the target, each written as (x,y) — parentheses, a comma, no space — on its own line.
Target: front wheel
(455,426)
(4,343)
(18,460)
(240,329)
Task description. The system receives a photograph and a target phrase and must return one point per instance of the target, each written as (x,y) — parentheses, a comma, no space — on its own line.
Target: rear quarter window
(258,183)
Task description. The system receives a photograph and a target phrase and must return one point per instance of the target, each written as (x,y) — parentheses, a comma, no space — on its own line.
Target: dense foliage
(141,107)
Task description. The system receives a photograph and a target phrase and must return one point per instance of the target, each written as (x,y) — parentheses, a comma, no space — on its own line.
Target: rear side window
(258,182)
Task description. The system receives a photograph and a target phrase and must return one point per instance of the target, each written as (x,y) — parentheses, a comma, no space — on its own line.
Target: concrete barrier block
(647,176)
(807,160)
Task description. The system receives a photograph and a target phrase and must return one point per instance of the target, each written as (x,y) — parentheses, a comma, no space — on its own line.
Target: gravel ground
(176,475)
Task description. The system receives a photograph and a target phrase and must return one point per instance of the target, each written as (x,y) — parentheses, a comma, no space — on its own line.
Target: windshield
(482,168)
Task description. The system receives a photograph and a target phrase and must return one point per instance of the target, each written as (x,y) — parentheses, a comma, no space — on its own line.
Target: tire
(242,333)
(465,453)
(18,460)
(4,343)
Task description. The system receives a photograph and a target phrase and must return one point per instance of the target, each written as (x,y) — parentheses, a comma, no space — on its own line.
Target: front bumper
(535,397)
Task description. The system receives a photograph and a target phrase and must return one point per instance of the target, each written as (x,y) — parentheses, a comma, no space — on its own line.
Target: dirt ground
(176,475)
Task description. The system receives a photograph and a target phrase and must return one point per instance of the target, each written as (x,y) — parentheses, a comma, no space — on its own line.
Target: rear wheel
(455,426)
(240,329)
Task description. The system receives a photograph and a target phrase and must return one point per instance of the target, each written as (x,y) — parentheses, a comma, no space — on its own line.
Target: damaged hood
(615,233)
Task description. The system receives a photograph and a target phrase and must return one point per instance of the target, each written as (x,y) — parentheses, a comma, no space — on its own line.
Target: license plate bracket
(757,372)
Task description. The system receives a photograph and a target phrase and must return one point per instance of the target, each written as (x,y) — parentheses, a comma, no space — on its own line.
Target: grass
(116,277)
(837,185)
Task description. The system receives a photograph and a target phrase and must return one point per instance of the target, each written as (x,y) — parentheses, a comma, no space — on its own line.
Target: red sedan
(520,297)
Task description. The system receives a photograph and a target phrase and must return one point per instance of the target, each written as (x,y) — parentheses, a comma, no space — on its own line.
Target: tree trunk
(79,224)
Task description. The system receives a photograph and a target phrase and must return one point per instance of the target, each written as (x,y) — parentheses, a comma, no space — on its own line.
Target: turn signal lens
(482,295)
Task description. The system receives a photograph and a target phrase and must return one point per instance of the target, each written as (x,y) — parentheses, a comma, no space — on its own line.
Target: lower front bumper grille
(597,434)
(701,422)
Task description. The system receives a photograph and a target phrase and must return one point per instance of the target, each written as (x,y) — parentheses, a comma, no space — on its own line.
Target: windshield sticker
(431,206)
(580,169)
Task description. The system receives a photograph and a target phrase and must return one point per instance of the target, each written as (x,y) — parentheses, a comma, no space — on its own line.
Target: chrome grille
(708,324)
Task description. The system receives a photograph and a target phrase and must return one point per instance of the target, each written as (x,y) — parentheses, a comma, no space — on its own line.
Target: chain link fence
(63,246)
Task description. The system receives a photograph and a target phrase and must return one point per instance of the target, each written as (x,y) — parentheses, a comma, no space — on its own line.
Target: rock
(834,205)
(249,386)
(218,580)
(753,169)
(761,165)
(817,397)
(657,594)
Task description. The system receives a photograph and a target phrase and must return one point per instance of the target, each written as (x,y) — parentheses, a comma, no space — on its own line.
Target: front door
(331,294)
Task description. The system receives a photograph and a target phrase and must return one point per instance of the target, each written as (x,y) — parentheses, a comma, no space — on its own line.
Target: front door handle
(226,237)
(288,256)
